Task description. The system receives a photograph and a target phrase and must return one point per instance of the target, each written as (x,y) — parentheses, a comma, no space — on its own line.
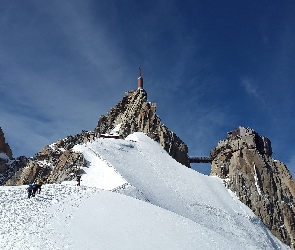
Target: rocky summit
(58,162)
(134,114)
(244,161)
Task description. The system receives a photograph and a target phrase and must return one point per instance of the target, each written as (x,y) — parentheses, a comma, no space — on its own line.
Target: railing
(200,159)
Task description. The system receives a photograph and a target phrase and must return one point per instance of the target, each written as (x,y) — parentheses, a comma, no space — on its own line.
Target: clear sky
(209,65)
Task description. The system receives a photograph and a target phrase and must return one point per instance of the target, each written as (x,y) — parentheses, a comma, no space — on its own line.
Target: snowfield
(133,195)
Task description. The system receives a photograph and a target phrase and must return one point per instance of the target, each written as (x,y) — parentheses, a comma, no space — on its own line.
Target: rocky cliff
(54,163)
(244,161)
(134,114)
(5,154)
(8,165)
(57,162)
(4,147)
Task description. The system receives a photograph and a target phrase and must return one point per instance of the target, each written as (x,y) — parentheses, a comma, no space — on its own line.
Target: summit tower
(140,80)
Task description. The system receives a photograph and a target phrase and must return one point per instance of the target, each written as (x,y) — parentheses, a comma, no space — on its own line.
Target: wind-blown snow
(156,203)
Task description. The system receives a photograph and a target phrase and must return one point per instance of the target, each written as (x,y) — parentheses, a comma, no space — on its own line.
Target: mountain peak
(243,160)
(135,114)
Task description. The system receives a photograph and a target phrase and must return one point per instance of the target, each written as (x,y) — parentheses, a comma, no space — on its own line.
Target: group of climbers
(34,188)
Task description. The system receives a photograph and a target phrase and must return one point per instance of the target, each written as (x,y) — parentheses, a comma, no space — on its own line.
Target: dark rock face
(4,147)
(134,114)
(12,167)
(243,160)
(5,158)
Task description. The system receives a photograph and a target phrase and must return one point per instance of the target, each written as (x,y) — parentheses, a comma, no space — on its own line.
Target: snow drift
(133,196)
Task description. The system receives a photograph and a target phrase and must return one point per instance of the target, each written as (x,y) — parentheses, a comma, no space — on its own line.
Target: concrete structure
(241,131)
(251,138)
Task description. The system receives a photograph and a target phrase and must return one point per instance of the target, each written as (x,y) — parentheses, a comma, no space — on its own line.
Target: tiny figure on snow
(39,185)
(30,190)
(78,180)
(35,188)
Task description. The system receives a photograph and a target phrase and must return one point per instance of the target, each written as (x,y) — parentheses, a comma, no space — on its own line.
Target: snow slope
(175,207)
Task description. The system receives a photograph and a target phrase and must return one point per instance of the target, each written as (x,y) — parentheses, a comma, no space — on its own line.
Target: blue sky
(209,65)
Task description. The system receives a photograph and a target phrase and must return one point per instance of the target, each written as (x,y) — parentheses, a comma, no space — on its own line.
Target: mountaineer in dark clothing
(39,185)
(30,190)
(78,180)
(35,188)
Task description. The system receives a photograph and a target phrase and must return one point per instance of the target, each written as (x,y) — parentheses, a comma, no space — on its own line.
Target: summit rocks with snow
(57,162)
(134,114)
(156,202)
(133,195)
(243,160)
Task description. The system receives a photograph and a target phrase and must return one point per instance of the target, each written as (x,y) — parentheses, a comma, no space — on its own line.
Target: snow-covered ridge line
(155,203)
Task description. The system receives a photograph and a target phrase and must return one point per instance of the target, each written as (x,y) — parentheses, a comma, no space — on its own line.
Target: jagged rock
(5,155)
(67,167)
(4,147)
(3,166)
(53,164)
(57,162)
(12,167)
(29,173)
(134,114)
(265,185)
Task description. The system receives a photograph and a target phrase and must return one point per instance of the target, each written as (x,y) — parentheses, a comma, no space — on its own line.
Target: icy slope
(176,208)
(166,183)
(26,223)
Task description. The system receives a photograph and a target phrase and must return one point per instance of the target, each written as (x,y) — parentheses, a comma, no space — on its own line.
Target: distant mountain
(244,161)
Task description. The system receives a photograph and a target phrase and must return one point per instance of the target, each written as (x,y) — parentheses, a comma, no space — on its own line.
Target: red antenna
(140,80)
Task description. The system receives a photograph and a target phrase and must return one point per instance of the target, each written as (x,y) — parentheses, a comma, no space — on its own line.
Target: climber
(35,188)
(78,180)
(39,185)
(30,190)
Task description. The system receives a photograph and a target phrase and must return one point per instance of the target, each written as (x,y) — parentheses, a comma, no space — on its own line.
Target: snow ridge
(133,196)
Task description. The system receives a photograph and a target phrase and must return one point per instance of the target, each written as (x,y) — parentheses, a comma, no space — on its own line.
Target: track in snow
(25,223)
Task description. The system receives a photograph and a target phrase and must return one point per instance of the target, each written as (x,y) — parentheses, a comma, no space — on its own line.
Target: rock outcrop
(58,162)
(5,154)
(134,114)
(53,164)
(8,165)
(4,147)
(243,160)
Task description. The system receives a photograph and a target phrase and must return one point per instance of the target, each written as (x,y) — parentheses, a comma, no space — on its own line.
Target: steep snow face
(175,207)
(99,173)
(168,184)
